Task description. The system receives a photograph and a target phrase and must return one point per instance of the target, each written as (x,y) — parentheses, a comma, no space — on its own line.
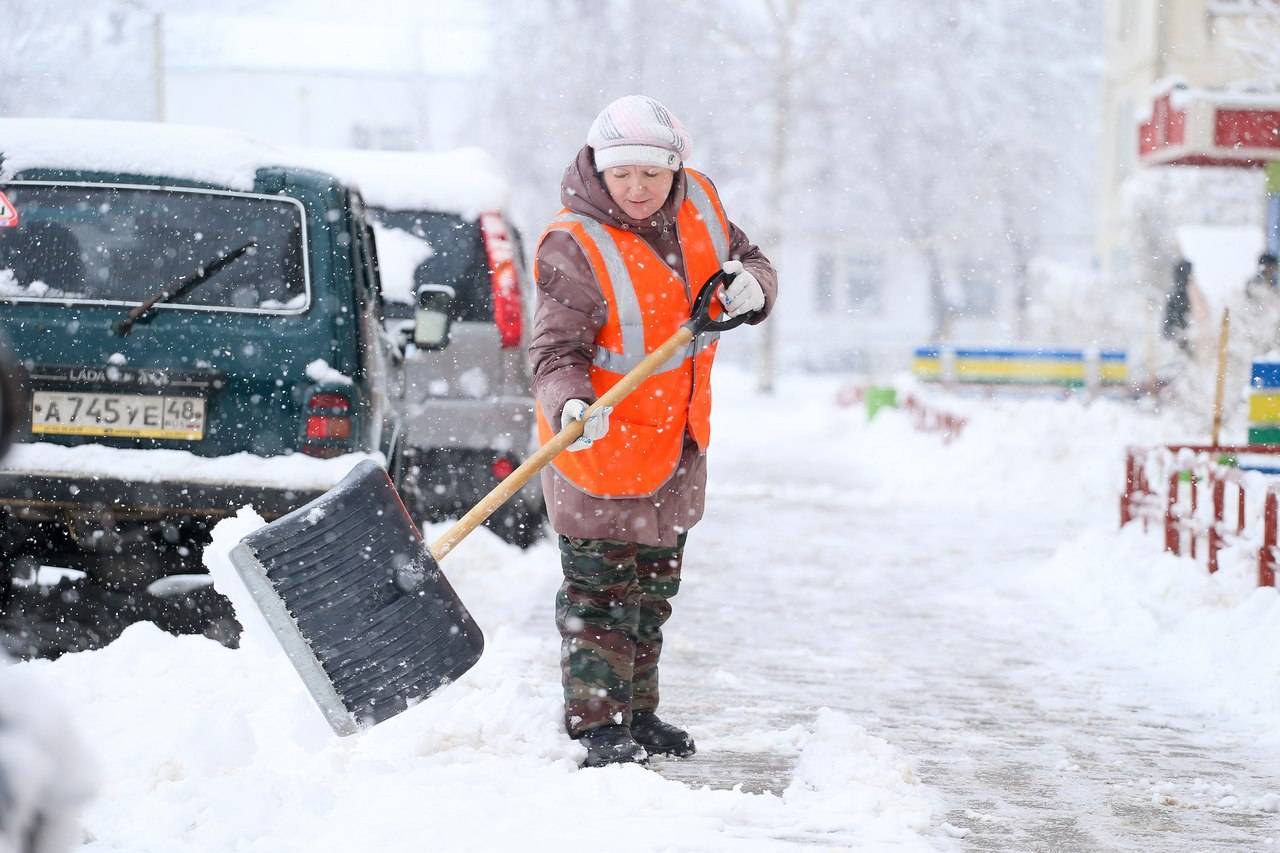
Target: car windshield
(457,259)
(119,245)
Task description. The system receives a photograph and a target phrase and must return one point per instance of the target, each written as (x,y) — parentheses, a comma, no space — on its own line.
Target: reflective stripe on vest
(628,306)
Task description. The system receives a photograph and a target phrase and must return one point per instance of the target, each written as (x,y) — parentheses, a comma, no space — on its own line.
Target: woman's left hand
(743,294)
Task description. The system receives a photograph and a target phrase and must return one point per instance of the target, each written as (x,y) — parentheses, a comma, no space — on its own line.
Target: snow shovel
(358,600)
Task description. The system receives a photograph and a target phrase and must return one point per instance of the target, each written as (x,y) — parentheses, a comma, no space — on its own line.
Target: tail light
(508,311)
(502,467)
(328,425)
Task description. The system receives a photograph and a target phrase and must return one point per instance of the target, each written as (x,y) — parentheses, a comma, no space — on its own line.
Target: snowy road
(1031,748)
(912,614)
(881,642)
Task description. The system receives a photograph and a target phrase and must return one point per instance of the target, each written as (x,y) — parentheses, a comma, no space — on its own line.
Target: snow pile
(296,471)
(854,782)
(46,773)
(465,181)
(1193,631)
(1064,455)
(1216,633)
(211,155)
(256,634)
(399,256)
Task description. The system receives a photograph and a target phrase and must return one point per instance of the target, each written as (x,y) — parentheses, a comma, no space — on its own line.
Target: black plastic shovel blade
(358,602)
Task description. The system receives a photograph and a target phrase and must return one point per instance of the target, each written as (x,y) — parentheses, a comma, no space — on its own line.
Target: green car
(201,329)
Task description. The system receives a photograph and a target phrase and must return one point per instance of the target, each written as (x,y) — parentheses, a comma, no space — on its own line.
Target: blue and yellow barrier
(1060,367)
(1264,403)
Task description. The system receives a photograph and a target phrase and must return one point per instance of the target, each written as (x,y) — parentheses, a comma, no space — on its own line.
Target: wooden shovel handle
(553,448)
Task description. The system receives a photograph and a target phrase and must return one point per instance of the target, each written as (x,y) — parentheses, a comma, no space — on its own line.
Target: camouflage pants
(610,612)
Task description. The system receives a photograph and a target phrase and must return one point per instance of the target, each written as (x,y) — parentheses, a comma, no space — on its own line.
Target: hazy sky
(436,36)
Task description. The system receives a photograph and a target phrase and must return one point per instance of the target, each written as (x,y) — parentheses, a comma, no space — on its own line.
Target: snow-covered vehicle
(467,409)
(201,328)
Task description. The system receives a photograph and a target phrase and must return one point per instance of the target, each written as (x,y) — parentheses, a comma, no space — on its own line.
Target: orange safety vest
(647,303)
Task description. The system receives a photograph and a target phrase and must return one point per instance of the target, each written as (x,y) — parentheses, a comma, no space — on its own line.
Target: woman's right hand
(595,427)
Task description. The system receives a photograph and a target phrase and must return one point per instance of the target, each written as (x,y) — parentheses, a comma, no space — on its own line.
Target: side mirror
(432,320)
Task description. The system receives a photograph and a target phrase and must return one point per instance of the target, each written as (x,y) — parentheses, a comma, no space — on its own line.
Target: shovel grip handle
(571,432)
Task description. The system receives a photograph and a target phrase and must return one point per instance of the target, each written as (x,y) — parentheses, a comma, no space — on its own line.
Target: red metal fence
(927,418)
(924,417)
(1204,500)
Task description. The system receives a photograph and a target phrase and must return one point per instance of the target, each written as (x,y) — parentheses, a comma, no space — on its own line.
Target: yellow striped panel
(927,368)
(1114,371)
(1264,408)
(1022,370)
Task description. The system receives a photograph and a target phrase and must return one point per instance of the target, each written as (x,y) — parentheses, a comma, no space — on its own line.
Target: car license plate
(124,415)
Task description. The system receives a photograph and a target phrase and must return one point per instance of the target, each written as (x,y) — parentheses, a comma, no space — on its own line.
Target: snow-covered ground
(881,643)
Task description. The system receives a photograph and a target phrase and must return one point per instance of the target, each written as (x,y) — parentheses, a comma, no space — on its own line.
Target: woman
(616,272)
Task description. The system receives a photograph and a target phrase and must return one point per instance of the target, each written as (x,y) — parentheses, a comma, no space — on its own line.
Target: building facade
(1177,71)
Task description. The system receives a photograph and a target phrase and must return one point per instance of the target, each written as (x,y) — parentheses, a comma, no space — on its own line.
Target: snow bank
(296,471)
(1208,639)
(212,155)
(465,181)
(1066,456)
(1217,633)
(46,773)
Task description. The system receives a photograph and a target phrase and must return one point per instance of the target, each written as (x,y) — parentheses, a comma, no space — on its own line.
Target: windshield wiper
(203,273)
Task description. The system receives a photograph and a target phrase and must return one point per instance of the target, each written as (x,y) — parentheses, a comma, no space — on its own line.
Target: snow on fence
(1206,498)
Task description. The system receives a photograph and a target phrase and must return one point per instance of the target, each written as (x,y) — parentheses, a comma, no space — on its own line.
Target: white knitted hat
(636,130)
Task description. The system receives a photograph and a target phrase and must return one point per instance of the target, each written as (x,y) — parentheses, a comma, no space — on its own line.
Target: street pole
(157,50)
(783,81)
(157,55)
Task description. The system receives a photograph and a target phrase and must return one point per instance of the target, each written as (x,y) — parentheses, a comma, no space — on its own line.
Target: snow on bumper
(150,482)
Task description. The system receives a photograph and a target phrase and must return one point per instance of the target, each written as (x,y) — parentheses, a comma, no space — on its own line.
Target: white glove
(743,294)
(595,427)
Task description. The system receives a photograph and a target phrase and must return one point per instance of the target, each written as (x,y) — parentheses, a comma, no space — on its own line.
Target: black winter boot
(611,745)
(659,738)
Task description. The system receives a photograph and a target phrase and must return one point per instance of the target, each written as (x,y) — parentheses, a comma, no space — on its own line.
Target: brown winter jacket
(570,312)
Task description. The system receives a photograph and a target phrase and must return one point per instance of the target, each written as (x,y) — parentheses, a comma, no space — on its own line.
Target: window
(862,284)
(825,274)
(103,243)
(457,258)
(848,284)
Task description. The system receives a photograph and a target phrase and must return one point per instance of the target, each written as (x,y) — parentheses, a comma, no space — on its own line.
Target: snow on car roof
(204,154)
(465,181)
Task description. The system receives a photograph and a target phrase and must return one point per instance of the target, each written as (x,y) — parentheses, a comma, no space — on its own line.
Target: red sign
(8,213)
(1167,127)
(1247,129)
(1200,127)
